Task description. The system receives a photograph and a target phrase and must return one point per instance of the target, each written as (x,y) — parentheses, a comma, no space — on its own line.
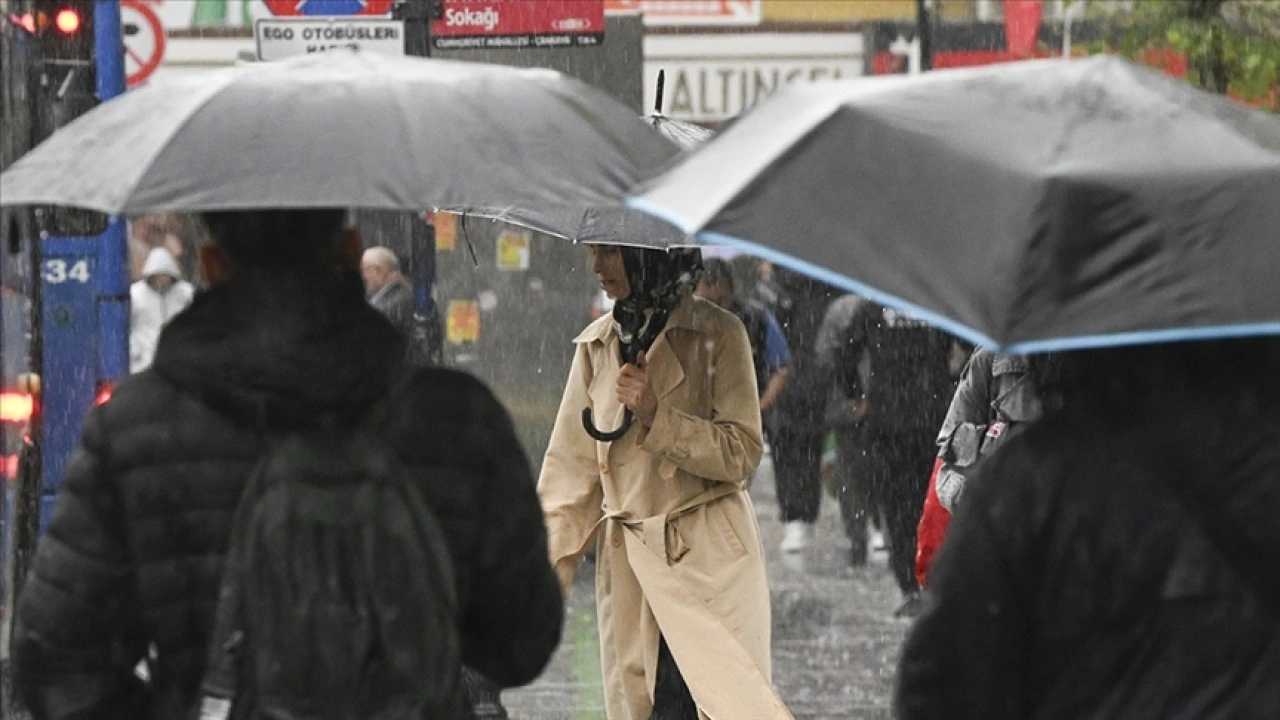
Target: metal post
(417,16)
(924,31)
(113,248)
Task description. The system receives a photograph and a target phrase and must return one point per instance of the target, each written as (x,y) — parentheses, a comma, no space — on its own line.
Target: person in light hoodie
(155,300)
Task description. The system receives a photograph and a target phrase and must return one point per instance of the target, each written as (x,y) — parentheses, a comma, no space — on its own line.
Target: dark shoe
(910,607)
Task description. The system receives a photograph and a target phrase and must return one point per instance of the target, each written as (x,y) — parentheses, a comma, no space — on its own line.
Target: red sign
(518,24)
(1022,25)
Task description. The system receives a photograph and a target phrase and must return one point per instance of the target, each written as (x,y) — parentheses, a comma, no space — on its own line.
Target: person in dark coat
(386,287)
(895,372)
(129,568)
(797,424)
(389,291)
(1117,558)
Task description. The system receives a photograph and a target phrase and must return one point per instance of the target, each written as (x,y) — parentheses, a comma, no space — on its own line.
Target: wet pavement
(835,640)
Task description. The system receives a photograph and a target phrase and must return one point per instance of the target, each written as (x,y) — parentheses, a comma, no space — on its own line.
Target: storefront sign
(518,24)
(712,78)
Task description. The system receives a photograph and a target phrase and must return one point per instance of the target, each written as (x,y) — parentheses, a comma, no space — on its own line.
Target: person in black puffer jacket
(129,568)
(1116,559)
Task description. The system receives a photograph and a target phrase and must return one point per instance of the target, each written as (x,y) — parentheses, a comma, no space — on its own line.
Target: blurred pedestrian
(282,346)
(387,288)
(902,367)
(797,425)
(153,301)
(390,292)
(1117,558)
(682,597)
(769,351)
(844,363)
(996,394)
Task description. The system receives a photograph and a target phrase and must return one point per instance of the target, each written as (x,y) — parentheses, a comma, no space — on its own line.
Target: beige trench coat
(678,548)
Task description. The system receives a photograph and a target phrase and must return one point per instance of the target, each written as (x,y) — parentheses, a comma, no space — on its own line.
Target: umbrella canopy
(1032,206)
(612,223)
(344,129)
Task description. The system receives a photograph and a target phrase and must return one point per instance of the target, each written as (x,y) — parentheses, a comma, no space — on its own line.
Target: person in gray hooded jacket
(995,393)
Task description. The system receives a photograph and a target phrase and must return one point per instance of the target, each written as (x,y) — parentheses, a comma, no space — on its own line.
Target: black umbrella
(1033,206)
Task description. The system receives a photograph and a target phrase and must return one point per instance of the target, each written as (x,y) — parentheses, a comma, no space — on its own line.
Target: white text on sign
(280,38)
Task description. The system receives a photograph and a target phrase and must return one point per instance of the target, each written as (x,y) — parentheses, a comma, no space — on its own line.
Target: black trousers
(671,697)
(857,509)
(896,464)
(797,460)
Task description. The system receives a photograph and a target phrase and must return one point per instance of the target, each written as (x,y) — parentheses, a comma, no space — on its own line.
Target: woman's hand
(635,392)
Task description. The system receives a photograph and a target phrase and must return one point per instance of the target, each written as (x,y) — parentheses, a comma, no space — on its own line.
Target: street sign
(693,12)
(144,40)
(280,38)
(518,24)
(326,8)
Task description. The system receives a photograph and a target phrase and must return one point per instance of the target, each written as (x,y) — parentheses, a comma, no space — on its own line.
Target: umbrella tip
(662,81)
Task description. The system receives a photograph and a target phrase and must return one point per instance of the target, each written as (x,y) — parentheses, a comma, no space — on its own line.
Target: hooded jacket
(151,310)
(134,548)
(1112,567)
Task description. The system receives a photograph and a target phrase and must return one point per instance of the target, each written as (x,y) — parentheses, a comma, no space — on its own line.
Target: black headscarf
(659,281)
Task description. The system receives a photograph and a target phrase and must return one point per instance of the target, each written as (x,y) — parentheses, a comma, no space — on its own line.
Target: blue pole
(113,248)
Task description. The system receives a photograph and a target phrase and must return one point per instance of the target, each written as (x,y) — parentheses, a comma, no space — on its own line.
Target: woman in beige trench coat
(680,568)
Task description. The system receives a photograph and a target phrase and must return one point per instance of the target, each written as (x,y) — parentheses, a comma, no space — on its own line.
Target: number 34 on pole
(58,271)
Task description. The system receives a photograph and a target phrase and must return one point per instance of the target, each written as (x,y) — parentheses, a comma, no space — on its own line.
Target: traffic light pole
(113,249)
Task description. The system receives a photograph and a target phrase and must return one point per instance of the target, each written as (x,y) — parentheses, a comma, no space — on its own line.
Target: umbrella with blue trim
(1029,207)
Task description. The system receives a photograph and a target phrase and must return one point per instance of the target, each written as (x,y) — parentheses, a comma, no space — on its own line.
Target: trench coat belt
(658,532)
(714,652)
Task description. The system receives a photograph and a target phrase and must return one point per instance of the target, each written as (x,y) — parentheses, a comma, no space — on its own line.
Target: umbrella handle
(589,425)
(662,84)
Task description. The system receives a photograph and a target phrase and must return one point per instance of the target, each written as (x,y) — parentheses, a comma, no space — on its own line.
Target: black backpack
(337,597)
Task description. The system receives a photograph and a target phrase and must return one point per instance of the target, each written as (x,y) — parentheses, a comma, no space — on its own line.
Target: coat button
(604,469)
(617,540)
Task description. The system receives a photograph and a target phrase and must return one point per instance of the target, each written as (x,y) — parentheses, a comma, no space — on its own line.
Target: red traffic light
(67,21)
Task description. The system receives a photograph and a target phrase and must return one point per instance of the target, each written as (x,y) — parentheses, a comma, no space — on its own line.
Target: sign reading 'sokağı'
(518,24)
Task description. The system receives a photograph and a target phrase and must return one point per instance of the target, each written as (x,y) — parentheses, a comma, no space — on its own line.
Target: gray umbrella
(1033,206)
(610,223)
(344,129)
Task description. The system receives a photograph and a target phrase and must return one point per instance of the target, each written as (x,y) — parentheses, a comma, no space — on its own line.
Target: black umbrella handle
(589,425)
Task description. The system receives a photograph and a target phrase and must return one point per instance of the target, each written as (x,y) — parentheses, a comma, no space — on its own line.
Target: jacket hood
(283,351)
(160,262)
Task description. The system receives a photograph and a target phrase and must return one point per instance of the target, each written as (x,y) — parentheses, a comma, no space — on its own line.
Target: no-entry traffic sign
(143,40)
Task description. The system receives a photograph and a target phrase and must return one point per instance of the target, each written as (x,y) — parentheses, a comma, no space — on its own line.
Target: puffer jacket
(132,556)
(1112,567)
